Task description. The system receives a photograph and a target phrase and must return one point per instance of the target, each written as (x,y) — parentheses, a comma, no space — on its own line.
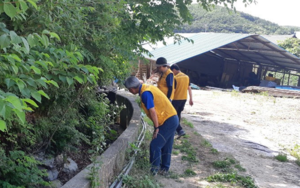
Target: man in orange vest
(165,120)
(166,80)
(182,85)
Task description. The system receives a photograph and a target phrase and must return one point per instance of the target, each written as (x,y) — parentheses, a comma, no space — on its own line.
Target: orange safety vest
(163,107)
(162,84)
(182,85)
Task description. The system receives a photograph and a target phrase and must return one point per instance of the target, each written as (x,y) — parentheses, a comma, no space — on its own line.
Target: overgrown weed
(206,143)
(186,122)
(189,172)
(184,146)
(233,178)
(281,157)
(140,176)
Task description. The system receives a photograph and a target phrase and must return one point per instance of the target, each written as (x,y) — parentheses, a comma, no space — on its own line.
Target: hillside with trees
(221,20)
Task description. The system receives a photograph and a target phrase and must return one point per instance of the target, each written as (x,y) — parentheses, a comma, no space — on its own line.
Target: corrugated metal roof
(168,40)
(242,47)
(203,42)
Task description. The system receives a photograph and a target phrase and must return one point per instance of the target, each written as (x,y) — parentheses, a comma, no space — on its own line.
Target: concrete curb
(111,162)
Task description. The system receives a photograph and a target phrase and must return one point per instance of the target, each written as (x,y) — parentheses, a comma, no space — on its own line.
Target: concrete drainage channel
(118,181)
(112,161)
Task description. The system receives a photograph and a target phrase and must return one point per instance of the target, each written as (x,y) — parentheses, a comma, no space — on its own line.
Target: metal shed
(222,59)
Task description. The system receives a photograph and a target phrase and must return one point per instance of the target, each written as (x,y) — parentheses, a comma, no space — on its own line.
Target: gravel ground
(252,128)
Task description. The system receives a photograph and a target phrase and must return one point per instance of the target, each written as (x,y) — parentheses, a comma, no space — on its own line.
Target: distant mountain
(220,20)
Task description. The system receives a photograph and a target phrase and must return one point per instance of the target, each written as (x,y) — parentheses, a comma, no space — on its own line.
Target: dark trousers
(161,146)
(179,106)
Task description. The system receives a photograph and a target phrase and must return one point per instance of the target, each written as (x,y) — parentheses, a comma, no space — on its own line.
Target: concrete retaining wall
(111,162)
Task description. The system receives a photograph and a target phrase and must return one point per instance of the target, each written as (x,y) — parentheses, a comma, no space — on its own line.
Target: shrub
(281,158)
(18,169)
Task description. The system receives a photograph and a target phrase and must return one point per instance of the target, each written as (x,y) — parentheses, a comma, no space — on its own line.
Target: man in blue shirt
(165,120)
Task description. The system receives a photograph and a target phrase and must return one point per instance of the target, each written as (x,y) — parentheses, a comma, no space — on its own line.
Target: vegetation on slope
(221,20)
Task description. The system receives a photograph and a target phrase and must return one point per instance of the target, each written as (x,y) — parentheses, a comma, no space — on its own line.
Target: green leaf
(2,126)
(4,41)
(46,32)
(30,102)
(84,69)
(32,41)
(15,101)
(15,38)
(24,6)
(70,81)
(42,63)
(26,92)
(91,79)
(32,3)
(36,70)
(54,35)
(37,96)
(20,84)
(26,45)
(9,82)
(78,79)
(21,115)
(62,78)
(43,93)
(53,83)
(15,69)
(9,9)
(15,57)
(31,82)
(8,112)
(42,81)
(2,108)
(1,8)
(49,63)
(45,40)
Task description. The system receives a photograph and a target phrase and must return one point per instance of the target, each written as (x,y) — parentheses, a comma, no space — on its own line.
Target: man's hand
(155,132)
(191,102)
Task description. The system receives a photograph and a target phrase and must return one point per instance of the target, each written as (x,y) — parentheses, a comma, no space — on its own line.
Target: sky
(282,12)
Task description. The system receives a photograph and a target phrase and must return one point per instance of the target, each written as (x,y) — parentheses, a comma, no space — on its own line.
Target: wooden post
(283,77)
(259,71)
(265,72)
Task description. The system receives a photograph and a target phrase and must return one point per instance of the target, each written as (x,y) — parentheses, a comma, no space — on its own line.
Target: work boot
(154,171)
(180,134)
(164,173)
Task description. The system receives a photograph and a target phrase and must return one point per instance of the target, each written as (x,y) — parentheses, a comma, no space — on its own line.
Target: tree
(222,19)
(54,54)
(292,45)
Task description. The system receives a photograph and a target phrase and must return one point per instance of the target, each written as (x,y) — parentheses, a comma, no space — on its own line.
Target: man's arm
(191,96)
(154,119)
(170,80)
(190,93)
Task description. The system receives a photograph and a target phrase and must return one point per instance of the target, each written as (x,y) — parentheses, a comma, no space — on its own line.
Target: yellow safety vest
(163,107)
(182,85)
(270,78)
(162,84)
